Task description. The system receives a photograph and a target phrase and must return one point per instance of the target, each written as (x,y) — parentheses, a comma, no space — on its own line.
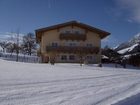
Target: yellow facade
(72,49)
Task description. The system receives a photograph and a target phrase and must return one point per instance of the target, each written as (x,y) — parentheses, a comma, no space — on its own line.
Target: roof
(102,33)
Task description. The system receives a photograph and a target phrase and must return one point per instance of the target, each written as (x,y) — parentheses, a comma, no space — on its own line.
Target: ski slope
(66,84)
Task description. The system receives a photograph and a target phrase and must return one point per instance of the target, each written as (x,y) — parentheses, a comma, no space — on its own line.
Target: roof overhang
(101,33)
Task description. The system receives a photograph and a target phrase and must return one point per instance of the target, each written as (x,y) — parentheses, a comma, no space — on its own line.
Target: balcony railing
(73,49)
(72,36)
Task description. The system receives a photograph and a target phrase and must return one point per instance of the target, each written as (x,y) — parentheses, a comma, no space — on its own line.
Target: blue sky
(119,17)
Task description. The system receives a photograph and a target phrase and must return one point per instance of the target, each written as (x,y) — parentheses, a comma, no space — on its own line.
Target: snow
(116,47)
(66,84)
(127,56)
(135,39)
(104,57)
(137,35)
(127,49)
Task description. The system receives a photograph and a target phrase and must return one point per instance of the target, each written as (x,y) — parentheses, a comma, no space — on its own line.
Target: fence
(21,58)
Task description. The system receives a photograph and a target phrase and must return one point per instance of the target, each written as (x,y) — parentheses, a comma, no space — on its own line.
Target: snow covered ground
(67,84)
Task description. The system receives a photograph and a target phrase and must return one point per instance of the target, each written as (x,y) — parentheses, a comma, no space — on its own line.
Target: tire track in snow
(63,80)
(36,89)
(130,89)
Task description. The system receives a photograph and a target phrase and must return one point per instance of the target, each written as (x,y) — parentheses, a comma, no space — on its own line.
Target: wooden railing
(73,49)
(72,36)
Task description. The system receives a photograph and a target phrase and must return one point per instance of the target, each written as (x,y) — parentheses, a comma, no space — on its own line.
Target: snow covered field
(67,84)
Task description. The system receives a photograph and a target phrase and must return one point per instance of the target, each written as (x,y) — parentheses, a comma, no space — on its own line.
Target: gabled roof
(102,33)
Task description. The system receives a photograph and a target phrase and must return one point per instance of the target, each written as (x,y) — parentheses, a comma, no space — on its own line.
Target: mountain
(121,46)
(135,39)
(130,50)
(130,47)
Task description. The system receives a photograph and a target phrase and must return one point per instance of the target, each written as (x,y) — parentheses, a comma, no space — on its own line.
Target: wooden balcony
(73,49)
(72,36)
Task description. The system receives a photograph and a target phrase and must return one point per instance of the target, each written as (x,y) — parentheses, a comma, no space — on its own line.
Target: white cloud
(132,7)
(8,36)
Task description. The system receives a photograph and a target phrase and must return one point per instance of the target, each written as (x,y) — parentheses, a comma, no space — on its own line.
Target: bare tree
(29,44)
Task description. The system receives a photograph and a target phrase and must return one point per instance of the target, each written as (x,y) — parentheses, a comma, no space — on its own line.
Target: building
(70,42)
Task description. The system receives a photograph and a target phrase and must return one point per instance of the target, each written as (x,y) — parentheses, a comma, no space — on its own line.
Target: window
(77,32)
(71,57)
(72,44)
(67,31)
(54,44)
(89,45)
(89,57)
(63,57)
